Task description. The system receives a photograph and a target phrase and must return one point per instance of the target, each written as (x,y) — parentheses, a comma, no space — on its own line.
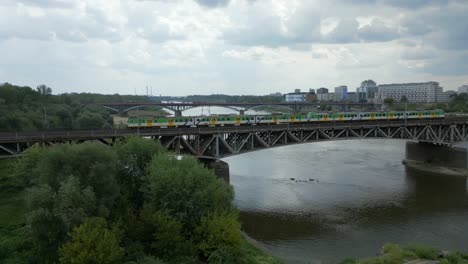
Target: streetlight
(45,116)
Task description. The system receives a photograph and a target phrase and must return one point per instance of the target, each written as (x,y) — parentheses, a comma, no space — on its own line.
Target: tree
(185,190)
(403,99)
(92,242)
(44,89)
(218,230)
(133,157)
(389,101)
(70,183)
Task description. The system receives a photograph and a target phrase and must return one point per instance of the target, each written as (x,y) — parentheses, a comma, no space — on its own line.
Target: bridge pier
(177,113)
(242,112)
(219,167)
(440,159)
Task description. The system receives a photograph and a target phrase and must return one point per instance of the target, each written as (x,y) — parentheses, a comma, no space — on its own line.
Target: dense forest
(24,108)
(130,203)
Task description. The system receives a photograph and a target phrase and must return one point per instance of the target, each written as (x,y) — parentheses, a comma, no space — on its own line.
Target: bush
(92,242)
(218,234)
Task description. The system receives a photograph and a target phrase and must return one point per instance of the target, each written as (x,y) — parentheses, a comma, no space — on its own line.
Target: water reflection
(346,200)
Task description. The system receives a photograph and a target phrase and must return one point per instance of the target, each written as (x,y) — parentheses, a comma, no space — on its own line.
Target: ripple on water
(347,199)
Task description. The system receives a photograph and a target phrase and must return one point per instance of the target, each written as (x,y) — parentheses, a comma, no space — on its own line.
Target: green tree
(72,182)
(92,242)
(44,89)
(133,156)
(389,101)
(185,190)
(219,230)
(403,99)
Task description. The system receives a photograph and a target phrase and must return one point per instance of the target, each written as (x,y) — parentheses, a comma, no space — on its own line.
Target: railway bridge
(178,107)
(217,142)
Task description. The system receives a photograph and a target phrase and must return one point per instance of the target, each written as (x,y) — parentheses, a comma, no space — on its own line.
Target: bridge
(224,141)
(178,108)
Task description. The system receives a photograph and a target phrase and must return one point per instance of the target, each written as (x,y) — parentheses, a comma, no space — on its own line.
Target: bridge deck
(228,140)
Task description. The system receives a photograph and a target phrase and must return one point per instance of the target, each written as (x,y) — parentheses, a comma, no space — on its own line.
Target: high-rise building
(367,90)
(341,93)
(322,90)
(463,89)
(427,92)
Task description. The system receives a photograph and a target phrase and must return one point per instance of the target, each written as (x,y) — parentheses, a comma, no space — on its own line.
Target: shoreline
(429,168)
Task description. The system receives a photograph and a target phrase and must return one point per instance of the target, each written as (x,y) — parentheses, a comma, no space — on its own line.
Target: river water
(326,201)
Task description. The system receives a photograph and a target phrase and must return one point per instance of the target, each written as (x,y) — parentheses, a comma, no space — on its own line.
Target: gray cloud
(409,4)
(213,3)
(377,31)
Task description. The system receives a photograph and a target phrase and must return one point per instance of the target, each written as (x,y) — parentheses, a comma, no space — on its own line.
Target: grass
(395,254)
(255,255)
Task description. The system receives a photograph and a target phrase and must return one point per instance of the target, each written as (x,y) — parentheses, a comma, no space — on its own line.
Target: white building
(325,97)
(427,92)
(341,93)
(463,89)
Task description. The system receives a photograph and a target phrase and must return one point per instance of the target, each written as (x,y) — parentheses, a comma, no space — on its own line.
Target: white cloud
(237,46)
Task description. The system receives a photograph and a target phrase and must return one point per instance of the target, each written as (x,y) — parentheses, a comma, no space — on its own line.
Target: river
(326,201)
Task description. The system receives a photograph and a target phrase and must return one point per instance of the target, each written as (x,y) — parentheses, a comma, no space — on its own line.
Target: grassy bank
(395,254)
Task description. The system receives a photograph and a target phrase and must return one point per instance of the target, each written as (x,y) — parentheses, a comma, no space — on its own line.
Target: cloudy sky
(181,47)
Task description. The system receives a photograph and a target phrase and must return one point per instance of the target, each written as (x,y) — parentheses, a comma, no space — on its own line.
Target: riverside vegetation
(130,203)
(395,254)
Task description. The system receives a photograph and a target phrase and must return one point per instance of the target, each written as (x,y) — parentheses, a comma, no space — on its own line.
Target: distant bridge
(178,108)
(225,141)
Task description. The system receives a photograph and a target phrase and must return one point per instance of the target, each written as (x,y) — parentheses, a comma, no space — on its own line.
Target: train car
(238,120)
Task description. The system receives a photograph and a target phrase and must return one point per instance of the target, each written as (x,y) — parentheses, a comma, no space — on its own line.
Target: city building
(325,97)
(463,89)
(311,96)
(295,97)
(427,92)
(352,97)
(366,92)
(341,93)
(322,90)
(446,96)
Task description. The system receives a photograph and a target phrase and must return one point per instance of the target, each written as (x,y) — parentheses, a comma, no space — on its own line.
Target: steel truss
(224,141)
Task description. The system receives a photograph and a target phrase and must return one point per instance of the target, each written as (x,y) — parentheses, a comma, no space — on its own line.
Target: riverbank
(429,168)
(412,254)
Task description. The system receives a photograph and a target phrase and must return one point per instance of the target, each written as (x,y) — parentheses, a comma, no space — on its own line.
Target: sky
(184,47)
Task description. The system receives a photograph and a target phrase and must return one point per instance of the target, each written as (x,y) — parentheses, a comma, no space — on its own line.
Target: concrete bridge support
(219,167)
(437,158)
(242,112)
(177,113)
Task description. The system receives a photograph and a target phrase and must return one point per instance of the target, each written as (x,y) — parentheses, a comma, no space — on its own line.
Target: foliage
(72,182)
(393,253)
(92,242)
(219,234)
(459,104)
(389,101)
(44,89)
(185,190)
(132,203)
(23,108)
(222,98)
(133,156)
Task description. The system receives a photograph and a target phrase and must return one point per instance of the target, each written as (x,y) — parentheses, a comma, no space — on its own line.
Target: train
(311,117)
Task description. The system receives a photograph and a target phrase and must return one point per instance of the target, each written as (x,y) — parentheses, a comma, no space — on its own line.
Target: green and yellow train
(238,120)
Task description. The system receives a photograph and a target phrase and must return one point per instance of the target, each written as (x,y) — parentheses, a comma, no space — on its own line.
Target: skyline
(231,47)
